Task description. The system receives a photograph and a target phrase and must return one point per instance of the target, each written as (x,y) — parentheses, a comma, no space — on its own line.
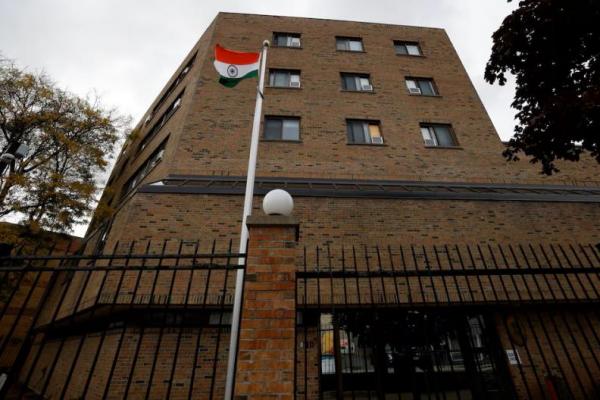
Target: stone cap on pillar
(274,220)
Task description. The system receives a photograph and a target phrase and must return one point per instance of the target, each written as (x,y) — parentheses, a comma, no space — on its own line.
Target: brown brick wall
(265,366)
(363,221)
(209,134)
(215,137)
(150,348)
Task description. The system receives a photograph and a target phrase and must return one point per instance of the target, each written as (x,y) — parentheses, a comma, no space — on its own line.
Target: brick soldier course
(374,220)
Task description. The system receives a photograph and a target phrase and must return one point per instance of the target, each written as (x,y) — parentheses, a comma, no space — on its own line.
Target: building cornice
(375,189)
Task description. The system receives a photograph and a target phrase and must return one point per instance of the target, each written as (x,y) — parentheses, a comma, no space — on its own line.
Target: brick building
(424,264)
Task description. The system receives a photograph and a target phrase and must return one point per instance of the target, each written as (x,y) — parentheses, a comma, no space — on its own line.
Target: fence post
(265,362)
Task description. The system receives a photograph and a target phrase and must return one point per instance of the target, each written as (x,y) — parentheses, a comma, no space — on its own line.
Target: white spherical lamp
(278,202)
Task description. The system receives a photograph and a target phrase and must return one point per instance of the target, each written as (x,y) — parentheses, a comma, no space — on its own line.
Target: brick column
(265,363)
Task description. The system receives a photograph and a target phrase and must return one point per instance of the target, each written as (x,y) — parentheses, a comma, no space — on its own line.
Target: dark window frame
(344,75)
(290,72)
(456,143)
(350,38)
(276,36)
(405,43)
(182,74)
(281,118)
(144,170)
(349,121)
(168,113)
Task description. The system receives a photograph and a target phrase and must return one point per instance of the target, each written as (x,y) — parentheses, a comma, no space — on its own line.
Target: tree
(552,47)
(70,141)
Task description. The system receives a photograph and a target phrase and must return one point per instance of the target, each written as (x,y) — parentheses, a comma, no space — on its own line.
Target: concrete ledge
(274,220)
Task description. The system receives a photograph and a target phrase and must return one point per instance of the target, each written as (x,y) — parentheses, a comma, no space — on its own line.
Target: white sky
(126,50)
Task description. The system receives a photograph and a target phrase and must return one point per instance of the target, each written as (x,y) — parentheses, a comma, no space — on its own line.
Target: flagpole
(239,279)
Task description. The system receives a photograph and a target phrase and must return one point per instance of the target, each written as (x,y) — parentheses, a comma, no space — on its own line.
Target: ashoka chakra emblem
(232,71)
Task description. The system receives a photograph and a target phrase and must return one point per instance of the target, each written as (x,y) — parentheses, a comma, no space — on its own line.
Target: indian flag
(233,66)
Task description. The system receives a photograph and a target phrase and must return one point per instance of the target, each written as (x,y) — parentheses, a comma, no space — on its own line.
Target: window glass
(364,83)
(348,44)
(428,138)
(355,45)
(291,129)
(444,136)
(356,132)
(349,82)
(273,129)
(281,40)
(426,87)
(411,84)
(413,50)
(286,39)
(375,133)
(356,82)
(363,132)
(401,49)
(281,79)
(293,41)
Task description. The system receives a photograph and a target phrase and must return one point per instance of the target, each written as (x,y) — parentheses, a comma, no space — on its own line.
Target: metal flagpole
(239,279)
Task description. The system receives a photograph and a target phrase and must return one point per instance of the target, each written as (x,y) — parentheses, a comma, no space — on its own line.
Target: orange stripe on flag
(235,57)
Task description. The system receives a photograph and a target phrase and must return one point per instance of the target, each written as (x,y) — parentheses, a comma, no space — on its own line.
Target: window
(172,86)
(421,86)
(286,39)
(160,123)
(438,135)
(363,132)
(284,78)
(282,128)
(145,168)
(407,48)
(348,44)
(400,354)
(356,82)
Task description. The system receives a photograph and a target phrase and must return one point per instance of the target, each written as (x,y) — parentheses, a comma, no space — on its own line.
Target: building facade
(396,171)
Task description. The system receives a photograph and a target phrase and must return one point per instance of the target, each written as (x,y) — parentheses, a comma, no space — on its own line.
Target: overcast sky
(126,50)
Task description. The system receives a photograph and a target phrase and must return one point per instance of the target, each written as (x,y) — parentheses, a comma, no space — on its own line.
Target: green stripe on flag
(231,82)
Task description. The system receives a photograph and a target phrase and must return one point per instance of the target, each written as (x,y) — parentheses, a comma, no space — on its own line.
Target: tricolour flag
(233,66)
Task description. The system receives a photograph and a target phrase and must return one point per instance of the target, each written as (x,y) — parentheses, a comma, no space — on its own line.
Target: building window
(284,78)
(155,158)
(363,132)
(407,48)
(421,86)
(172,86)
(438,135)
(349,44)
(282,128)
(356,82)
(286,39)
(161,122)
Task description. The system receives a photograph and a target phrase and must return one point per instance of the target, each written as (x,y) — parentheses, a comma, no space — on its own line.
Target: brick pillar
(265,363)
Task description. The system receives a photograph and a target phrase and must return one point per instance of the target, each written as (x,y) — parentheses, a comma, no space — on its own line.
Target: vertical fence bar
(182,325)
(126,323)
(112,307)
(148,310)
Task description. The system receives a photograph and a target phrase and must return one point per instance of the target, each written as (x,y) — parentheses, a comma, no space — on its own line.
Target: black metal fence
(149,320)
(449,322)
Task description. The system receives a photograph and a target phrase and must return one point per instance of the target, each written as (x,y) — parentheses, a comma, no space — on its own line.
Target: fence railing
(148,320)
(449,322)
(152,319)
